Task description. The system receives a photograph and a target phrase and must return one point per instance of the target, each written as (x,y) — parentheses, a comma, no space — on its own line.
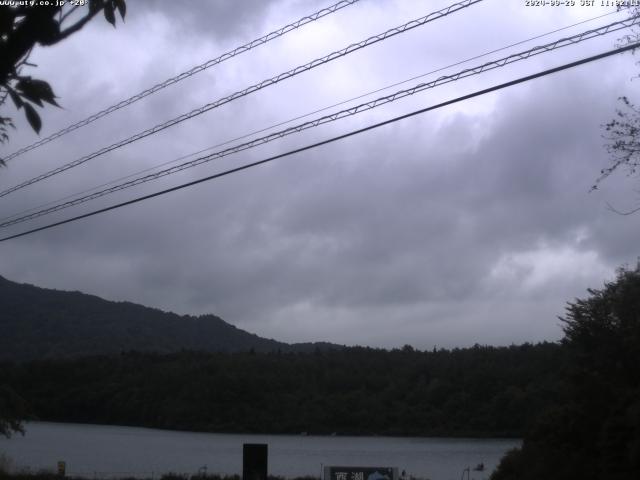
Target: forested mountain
(79,358)
(39,323)
(479,391)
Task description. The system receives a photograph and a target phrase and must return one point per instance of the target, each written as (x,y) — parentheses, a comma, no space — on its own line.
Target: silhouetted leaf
(6,121)
(16,98)
(39,89)
(109,13)
(25,89)
(36,90)
(121,6)
(33,117)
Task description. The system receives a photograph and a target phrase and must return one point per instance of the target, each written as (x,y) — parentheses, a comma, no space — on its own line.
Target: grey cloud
(448,228)
(215,19)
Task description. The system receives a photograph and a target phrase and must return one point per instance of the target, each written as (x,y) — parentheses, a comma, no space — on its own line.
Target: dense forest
(479,391)
(593,431)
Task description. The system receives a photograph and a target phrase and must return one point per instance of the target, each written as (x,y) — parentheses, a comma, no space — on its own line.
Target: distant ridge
(40,323)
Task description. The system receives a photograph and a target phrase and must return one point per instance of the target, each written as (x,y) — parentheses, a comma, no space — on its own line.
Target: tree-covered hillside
(480,391)
(39,323)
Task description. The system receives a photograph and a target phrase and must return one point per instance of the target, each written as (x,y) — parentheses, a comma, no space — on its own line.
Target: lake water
(108,451)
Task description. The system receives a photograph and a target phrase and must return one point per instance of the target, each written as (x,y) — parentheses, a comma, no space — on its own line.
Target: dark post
(254,461)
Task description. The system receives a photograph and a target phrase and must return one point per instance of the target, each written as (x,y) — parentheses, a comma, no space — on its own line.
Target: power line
(299,117)
(178,78)
(333,139)
(580,37)
(258,86)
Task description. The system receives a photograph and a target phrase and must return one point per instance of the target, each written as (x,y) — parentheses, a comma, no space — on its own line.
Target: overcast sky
(468,224)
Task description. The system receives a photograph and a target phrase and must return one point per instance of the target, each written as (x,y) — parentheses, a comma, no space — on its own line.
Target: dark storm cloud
(396,228)
(468,224)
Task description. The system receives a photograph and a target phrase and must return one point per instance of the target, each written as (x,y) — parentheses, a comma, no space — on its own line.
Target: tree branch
(78,25)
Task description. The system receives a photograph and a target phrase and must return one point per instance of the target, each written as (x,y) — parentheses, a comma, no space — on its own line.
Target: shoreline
(106,452)
(452,436)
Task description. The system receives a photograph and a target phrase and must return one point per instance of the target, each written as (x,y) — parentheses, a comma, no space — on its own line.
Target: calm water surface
(107,451)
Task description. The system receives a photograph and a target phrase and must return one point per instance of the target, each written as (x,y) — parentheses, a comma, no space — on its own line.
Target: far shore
(439,435)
